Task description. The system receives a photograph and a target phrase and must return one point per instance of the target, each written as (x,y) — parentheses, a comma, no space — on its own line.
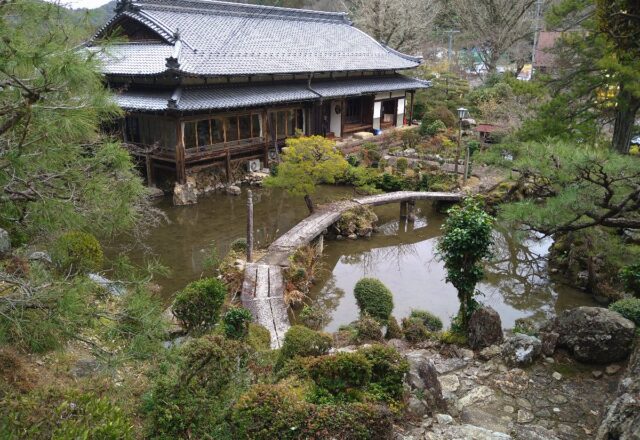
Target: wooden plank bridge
(263,287)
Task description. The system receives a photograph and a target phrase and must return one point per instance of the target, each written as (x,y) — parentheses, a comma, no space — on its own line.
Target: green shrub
(192,395)
(393,329)
(302,341)
(388,368)
(314,317)
(374,299)
(453,337)
(441,113)
(269,412)
(390,183)
(63,414)
(353,421)
(239,245)
(414,330)
(77,252)
(630,277)
(431,321)
(341,373)
(410,138)
(432,128)
(367,329)
(236,322)
(198,305)
(258,337)
(402,164)
(629,308)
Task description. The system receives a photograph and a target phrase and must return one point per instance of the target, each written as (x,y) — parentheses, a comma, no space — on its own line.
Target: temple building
(208,84)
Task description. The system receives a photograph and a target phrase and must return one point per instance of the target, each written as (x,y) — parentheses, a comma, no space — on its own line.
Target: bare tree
(497,27)
(399,24)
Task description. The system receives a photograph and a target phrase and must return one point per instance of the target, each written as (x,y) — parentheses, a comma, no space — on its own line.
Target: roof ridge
(203,6)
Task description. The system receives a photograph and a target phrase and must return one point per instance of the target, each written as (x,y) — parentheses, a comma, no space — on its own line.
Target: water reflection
(402,255)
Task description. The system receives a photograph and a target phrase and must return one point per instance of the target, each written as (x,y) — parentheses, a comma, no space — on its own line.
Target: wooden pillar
(249,226)
(265,153)
(411,109)
(151,181)
(181,171)
(411,214)
(403,210)
(320,244)
(228,165)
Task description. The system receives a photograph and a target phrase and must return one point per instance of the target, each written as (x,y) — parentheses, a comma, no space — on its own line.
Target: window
(300,120)
(353,112)
(204,137)
(256,126)
(232,129)
(285,122)
(190,139)
(244,122)
(132,127)
(281,127)
(217,131)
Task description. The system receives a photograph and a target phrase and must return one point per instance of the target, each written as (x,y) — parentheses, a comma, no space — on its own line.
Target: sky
(91,4)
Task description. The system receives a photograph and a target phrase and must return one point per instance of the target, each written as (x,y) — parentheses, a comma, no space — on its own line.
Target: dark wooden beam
(181,174)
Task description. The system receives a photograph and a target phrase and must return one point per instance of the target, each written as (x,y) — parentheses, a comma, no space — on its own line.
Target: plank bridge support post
(249,226)
(228,165)
(411,214)
(403,210)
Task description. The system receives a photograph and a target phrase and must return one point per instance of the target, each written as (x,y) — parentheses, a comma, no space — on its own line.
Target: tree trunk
(626,111)
(309,203)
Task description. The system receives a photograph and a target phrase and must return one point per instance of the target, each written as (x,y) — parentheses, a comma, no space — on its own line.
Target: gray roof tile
(236,39)
(244,96)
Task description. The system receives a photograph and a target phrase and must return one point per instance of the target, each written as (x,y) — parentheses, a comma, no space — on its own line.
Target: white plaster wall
(400,112)
(377,109)
(336,119)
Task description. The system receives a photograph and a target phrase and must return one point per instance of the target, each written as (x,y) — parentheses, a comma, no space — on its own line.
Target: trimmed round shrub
(302,341)
(402,164)
(269,412)
(433,128)
(388,368)
(236,322)
(367,329)
(77,252)
(258,337)
(393,329)
(629,308)
(443,114)
(374,299)
(239,245)
(198,305)
(431,321)
(414,330)
(353,421)
(341,372)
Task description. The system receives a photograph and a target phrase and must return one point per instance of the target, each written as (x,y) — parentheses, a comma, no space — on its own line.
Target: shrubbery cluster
(629,308)
(374,299)
(77,252)
(198,305)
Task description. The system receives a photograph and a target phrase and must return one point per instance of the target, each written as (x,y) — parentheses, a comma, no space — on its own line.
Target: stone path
(555,399)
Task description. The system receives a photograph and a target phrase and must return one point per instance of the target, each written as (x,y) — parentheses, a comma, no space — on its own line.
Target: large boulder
(622,418)
(521,350)
(594,334)
(185,194)
(423,380)
(485,328)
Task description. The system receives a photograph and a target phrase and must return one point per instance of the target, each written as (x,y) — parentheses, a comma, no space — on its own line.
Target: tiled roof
(222,38)
(244,96)
(150,58)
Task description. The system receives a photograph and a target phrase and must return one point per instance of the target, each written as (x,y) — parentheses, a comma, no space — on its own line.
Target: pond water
(400,254)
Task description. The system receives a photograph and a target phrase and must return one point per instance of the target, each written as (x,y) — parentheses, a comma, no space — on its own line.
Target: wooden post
(181,172)
(411,214)
(150,177)
(458,150)
(320,244)
(228,165)
(249,226)
(411,109)
(266,155)
(466,166)
(403,210)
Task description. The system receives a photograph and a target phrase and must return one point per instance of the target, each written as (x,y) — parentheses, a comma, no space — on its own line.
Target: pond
(400,254)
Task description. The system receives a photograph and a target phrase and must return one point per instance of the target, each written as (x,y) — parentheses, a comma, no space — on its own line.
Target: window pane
(353,112)
(257,129)
(245,126)
(232,129)
(203,133)
(217,131)
(274,123)
(291,123)
(282,124)
(190,135)
(300,119)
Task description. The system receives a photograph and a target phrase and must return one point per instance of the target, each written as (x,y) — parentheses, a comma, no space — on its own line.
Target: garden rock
(549,341)
(459,432)
(234,190)
(185,194)
(521,350)
(595,335)
(5,242)
(622,418)
(485,328)
(423,376)
(41,256)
